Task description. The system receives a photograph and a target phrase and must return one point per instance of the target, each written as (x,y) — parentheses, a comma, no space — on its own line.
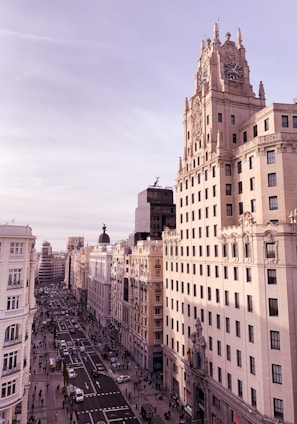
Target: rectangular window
(270,250)
(273,204)
(234,138)
(253,205)
(228,352)
(244,136)
(232,120)
(218,321)
(228,170)
(248,272)
(8,388)
(275,340)
(249,303)
(270,156)
(228,189)
(239,167)
(13,302)
(285,121)
(251,162)
(278,407)
(294,121)
(229,380)
(210,343)
(236,298)
(219,348)
(255,130)
(240,208)
(219,374)
(253,397)
(239,385)
(229,211)
(266,124)
(273,307)
(16,248)
(217,295)
(239,187)
(227,325)
(237,328)
(276,374)
(251,333)
(252,183)
(220,117)
(235,273)
(272,179)
(209,318)
(238,358)
(252,365)
(226,298)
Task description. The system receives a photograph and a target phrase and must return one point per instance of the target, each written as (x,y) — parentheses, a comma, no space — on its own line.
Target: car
(72,331)
(63,344)
(100,367)
(78,395)
(123,379)
(71,373)
(65,352)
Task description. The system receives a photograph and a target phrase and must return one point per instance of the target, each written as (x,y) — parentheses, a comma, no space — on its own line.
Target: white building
(230,267)
(99,287)
(17,308)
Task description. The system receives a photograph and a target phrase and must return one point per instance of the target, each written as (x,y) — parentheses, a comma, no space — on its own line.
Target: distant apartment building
(230,266)
(51,266)
(73,243)
(17,308)
(99,285)
(119,267)
(80,266)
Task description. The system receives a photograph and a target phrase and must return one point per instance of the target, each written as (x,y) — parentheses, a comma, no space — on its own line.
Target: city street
(63,336)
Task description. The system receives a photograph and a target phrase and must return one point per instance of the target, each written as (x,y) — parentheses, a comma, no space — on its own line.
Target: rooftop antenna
(156,182)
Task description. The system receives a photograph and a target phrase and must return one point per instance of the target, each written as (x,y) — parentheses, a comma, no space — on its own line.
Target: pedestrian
(41,401)
(47,387)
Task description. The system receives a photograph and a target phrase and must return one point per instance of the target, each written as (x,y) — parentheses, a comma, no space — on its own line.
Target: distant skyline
(92,101)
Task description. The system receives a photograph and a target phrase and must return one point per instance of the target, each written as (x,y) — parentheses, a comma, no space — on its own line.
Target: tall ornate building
(17,308)
(230,266)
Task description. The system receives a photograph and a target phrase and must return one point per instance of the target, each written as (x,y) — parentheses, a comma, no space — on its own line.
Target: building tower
(230,266)
(45,268)
(17,308)
(154,212)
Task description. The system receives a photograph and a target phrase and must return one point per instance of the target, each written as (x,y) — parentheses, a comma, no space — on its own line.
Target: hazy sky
(92,97)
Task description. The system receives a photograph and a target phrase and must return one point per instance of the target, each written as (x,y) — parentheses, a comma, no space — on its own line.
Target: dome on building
(104,238)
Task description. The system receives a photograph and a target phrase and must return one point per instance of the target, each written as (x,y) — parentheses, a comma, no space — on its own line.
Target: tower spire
(239,38)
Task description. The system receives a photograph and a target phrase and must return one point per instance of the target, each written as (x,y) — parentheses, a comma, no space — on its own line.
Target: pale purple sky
(92,96)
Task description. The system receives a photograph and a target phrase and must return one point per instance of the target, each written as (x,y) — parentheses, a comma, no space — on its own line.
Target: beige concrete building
(17,308)
(142,308)
(230,267)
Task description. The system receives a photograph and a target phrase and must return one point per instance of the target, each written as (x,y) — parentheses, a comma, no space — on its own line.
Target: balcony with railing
(14,285)
(9,342)
(9,371)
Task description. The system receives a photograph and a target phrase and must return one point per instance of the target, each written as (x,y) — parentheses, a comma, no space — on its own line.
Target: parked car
(65,352)
(72,331)
(123,379)
(78,395)
(62,343)
(100,367)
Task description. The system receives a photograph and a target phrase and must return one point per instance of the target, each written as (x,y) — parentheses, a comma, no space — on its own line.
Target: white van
(78,395)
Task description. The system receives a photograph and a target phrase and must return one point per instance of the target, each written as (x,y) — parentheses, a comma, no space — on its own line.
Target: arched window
(12,333)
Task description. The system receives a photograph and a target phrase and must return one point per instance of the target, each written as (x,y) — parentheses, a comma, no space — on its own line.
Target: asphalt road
(103,401)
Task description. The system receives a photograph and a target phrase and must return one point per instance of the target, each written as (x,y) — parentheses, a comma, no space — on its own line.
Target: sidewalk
(46,403)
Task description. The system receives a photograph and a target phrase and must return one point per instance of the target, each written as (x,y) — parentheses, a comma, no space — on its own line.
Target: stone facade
(230,265)
(17,308)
